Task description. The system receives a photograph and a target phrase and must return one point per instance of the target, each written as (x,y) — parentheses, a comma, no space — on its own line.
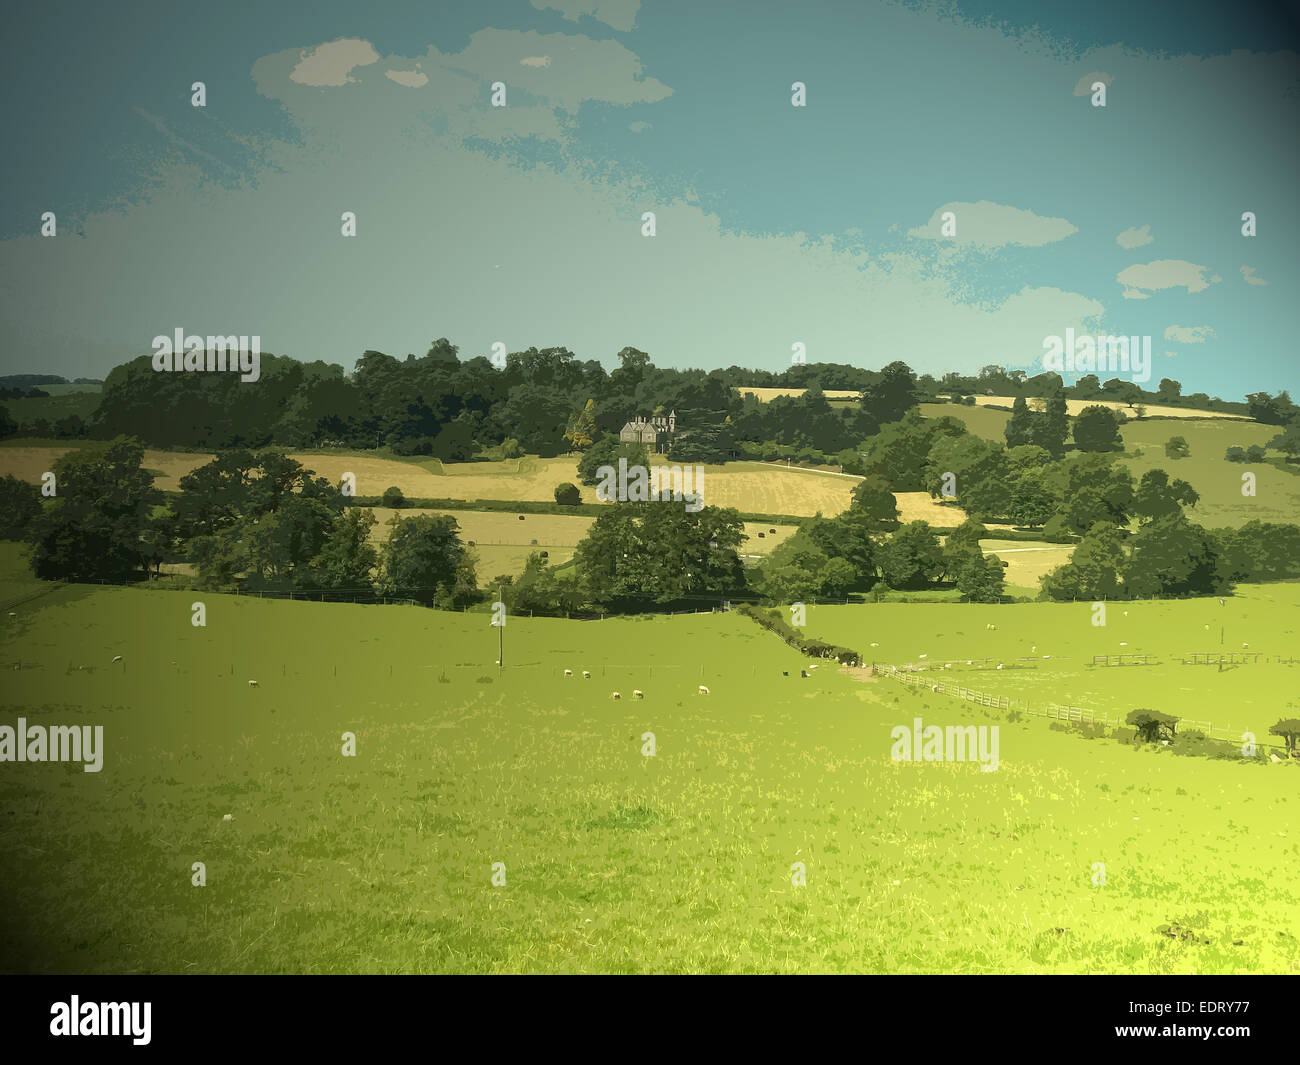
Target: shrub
(393,497)
(567,494)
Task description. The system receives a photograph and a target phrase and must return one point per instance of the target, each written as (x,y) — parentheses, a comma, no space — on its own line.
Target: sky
(774,224)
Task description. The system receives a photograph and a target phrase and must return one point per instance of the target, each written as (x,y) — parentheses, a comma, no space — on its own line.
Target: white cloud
(993,225)
(1248,274)
(1191,334)
(639,127)
(333,63)
(621,14)
(1140,280)
(580,69)
(1084,85)
(1135,238)
(535,61)
(412,79)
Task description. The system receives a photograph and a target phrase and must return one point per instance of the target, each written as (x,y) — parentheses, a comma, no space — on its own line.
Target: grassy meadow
(614,861)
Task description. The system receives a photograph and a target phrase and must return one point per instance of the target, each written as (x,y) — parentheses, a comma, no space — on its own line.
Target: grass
(1264,616)
(615,862)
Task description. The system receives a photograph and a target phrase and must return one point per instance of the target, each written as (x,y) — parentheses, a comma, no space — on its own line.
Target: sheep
(586,674)
(117,658)
(253,684)
(704,690)
(568,672)
(616,695)
(637,693)
(12,614)
(804,673)
(999,665)
(785,672)
(227,817)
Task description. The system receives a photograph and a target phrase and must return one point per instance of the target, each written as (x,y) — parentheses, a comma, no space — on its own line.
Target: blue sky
(775,224)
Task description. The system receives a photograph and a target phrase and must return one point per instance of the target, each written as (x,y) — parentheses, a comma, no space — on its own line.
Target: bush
(567,495)
(1176,447)
(773,621)
(393,497)
(1254,453)
(1235,454)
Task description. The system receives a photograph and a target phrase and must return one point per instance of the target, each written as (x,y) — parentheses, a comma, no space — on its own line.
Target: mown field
(503,542)
(614,862)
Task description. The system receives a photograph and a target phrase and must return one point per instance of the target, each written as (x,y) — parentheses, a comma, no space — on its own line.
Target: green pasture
(1047,651)
(614,862)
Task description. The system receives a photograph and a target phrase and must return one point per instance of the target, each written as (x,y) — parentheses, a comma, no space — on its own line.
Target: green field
(615,862)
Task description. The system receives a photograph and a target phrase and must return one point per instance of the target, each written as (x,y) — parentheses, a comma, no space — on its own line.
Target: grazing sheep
(923,656)
(117,658)
(227,817)
(804,673)
(616,695)
(704,690)
(637,693)
(586,674)
(999,665)
(12,614)
(568,672)
(253,684)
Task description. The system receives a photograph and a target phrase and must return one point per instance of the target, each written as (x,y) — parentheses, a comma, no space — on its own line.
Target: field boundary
(1078,714)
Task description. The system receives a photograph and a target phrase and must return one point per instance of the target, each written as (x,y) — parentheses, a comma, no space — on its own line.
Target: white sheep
(616,695)
(253,684)
(227,817)
(638,694)
(586,674)
(117,658)
(999,665)
(568,672)
(704,690)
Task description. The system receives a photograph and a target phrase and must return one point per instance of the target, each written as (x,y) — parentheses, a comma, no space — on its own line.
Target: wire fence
(910,675)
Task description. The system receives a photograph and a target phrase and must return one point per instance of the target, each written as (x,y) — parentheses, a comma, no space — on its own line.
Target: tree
(1288,441)
(1032,501)
(639,553)
(1096,429)
(873,500)
(982,579)
(1158,497)
(567,494)
(20,505)
(1176,447)
(890,397)
(1094,569)
(1152,725)
(424,559)
(346,559)
(1096,489)
(1235,454)
(911,557)
(582,431)
(94,527)
(1255,453)
(1289,729)
(606,452)
(1172,556)
(393,497)
(1018,429)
